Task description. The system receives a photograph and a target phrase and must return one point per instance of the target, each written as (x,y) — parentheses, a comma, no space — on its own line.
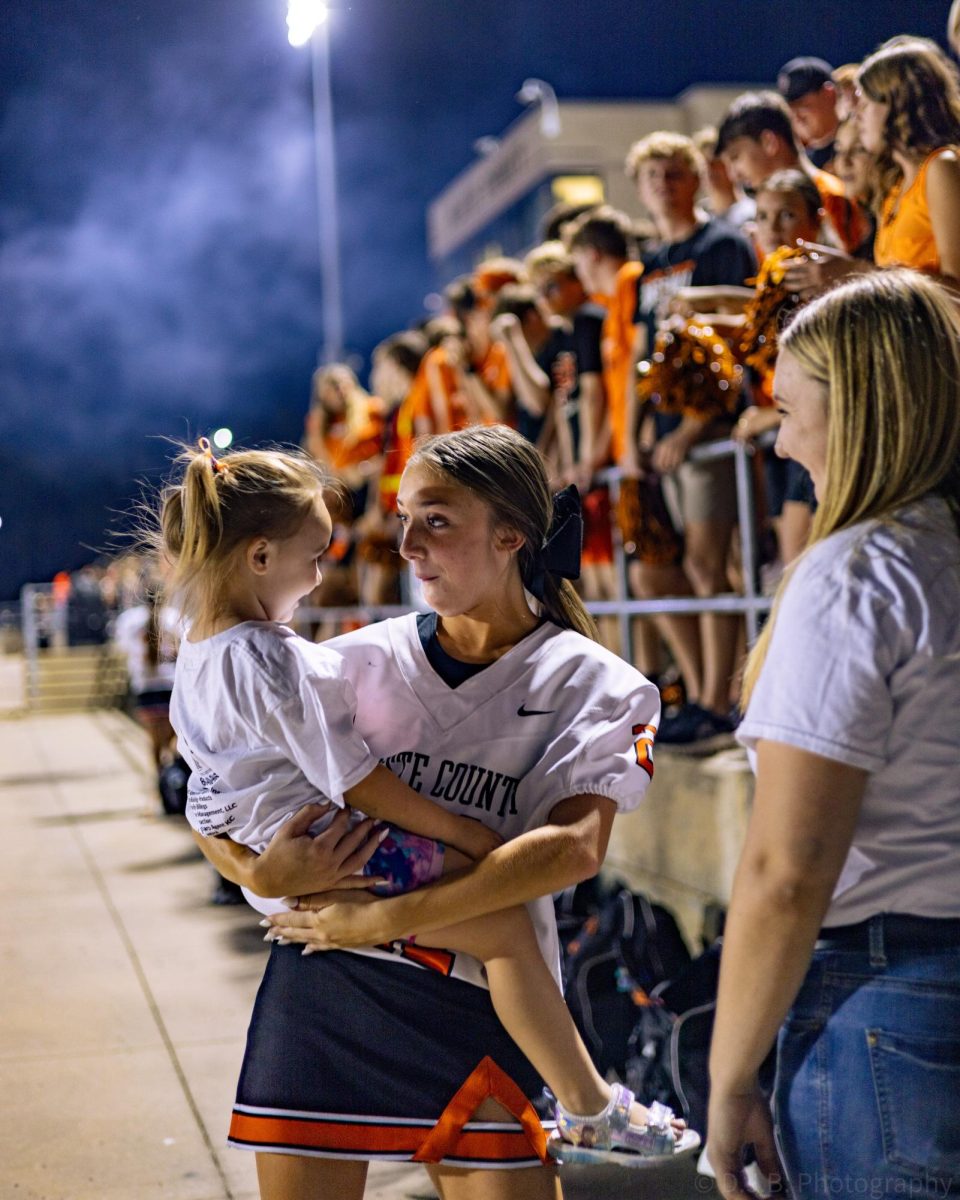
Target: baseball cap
(802,75)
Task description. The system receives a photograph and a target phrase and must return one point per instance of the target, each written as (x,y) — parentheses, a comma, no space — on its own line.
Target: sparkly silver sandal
(609,1137)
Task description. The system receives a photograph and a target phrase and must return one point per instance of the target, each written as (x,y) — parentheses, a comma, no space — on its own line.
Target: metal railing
(752,603)
(44,624)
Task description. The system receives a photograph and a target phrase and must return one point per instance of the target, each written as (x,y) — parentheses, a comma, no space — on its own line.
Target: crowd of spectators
(835,171)
(621,344)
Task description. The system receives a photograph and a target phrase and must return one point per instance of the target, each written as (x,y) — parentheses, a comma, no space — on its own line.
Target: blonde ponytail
(218,506)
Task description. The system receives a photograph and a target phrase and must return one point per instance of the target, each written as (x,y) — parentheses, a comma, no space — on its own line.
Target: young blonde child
(266,721)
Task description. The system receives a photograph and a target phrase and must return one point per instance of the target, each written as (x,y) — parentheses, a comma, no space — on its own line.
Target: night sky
(159,269)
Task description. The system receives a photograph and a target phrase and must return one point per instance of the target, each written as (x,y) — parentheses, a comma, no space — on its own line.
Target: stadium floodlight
(306,18)
(222,438)
(536,91)
(303,18)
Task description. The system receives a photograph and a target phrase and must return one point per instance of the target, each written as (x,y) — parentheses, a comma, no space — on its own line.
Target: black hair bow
(560,553)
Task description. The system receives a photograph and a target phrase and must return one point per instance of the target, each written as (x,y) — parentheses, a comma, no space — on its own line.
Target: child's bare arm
(382,795)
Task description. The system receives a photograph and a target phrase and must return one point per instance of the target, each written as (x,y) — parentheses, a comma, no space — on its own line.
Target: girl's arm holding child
(385,797)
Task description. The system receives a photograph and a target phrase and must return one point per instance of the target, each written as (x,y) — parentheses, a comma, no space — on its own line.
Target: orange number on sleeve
(644,746)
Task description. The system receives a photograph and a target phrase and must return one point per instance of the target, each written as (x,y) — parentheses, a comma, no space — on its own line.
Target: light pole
(307,22)
(536,91)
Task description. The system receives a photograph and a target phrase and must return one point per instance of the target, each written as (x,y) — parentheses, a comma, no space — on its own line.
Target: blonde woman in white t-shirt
(269,723)
(844,925)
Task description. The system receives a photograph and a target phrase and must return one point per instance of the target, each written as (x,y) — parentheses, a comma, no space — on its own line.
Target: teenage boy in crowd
(808,87)
(396,362)
(600,244)
(519,324)
(462,380)
(757,137)
(722,197)
(599,248)
(572,358)
(694,251)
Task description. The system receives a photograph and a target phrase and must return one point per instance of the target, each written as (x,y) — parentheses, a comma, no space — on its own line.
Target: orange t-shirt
(495,368)
(415,404)
(495,373)
(396,452)
(904,232)
(449,385)
(847,218)
(617,338)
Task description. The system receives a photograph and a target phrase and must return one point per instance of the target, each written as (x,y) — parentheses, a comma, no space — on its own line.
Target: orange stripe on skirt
(446,1140)
(486,1080)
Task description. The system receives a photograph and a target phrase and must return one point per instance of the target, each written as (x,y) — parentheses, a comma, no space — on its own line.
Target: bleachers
(74,678)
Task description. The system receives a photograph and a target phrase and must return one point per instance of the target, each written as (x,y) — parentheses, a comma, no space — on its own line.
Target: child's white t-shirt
(265,720)
(864,668)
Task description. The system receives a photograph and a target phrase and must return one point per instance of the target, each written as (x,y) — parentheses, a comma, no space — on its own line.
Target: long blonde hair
(218,505)
(886,346)
(508,474)
(921,85)
(356,401)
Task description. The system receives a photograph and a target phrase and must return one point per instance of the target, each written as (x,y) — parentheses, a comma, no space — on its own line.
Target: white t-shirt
(864,668)
(130,636)
(555,717)
(264,719)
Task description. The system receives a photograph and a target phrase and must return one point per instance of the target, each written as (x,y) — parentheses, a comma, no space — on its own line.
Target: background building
(497,203)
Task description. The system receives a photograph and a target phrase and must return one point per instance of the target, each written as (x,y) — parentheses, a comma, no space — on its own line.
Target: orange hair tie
(215,464)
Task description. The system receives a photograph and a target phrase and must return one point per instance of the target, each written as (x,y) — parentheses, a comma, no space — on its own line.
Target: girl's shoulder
(585,665)
(266,648)
(377,635)
(940,169)
(906,551)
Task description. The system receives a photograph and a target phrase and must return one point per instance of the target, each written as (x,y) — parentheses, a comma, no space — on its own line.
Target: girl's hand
(344,922)
(754,421)
(820,267)
(671,451)
(737,1118)
(474,839)
(294,863)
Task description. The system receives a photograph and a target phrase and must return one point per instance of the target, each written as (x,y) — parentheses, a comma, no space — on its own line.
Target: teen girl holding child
(485,707)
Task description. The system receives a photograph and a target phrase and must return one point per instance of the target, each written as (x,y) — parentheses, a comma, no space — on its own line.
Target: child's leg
(530,1006)
(524,993)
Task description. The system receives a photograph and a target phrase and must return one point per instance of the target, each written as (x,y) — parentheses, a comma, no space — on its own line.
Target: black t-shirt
(715,253)
(451,670)
(569,352)
(821,157)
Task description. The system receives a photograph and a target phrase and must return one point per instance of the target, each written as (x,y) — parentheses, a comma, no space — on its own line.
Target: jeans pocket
(917,1085)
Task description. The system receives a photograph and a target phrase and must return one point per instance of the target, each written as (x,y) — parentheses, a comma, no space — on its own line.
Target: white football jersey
(557,716)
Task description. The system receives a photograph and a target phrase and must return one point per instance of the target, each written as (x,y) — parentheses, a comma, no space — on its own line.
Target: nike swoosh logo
(522,711)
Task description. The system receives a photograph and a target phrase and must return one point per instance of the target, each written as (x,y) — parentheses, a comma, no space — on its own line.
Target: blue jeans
(867,1097)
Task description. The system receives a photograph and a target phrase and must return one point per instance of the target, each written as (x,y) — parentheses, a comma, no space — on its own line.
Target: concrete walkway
(124,995)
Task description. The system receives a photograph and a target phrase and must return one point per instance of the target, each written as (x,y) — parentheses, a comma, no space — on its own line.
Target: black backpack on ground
(621,955)
(670,1044)
(669,1048)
